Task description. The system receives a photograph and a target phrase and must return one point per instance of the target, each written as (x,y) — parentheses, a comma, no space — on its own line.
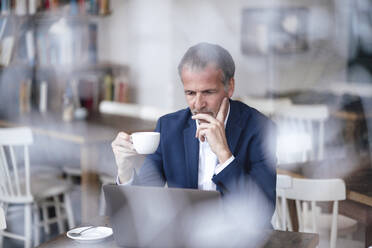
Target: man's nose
(199,102)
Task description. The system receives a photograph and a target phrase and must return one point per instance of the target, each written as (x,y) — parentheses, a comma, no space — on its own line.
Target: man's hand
(213,129)
(126,156)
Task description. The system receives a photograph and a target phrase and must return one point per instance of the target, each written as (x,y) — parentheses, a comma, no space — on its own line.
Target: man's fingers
(201,131)
(122,143)
(203,135)
(124,136)
(123,149)
(204,117)
(222,112)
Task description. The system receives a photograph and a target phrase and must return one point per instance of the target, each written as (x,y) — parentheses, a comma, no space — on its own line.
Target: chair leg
(284,213)
(278,214)
(69,212)
(102,204)
(57,206)
(36,225)
(27,227)
(289,221)
(44,210)
(5,208)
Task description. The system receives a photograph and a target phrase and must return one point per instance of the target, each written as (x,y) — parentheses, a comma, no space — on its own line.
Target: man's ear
(230,91)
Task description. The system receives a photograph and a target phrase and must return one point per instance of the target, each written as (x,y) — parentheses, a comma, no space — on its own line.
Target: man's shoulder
(251,120)
(181,115)
(249,114)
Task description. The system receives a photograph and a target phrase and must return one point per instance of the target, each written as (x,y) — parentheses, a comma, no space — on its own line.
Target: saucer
(93,235)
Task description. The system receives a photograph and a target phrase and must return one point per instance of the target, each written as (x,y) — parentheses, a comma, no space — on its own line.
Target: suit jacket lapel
(233,129)
(191,154)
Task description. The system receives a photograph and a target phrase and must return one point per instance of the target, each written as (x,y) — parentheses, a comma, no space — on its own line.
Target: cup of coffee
(145,142)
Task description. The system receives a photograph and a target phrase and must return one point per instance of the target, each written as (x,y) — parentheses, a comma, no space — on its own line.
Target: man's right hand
(126,156)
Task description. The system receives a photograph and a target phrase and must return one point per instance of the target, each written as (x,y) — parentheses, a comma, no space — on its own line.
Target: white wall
(152,36)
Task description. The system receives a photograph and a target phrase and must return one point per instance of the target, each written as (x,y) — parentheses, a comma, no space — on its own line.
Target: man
(215,144)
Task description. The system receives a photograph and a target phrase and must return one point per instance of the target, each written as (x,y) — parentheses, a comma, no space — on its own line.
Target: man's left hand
(213,129)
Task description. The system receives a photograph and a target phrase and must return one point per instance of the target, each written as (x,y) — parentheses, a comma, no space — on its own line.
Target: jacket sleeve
(253,170)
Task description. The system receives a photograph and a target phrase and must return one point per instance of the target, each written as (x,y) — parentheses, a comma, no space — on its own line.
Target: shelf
(18,66)
(53,17)
(81,68)
(60,8)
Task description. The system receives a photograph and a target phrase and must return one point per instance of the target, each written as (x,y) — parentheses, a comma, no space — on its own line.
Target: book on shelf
(104,7)
(108,85)
(25,96)
(121,90)
(5,7)
(45,4)
(99,7)
(32,6)
(23,7)
(20,7)
(92,42)
(53,4)
(82,7)
(74,9)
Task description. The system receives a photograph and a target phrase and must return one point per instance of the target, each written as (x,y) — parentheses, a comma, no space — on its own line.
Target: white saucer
(93,235)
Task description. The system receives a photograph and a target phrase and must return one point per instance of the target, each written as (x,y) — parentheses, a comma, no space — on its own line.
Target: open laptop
(156,217)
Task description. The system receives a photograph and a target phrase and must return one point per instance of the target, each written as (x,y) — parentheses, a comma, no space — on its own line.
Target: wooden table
(358,179)
(275,239)
(88,134)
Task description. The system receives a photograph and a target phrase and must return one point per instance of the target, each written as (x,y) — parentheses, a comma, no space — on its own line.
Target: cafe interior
(75,73)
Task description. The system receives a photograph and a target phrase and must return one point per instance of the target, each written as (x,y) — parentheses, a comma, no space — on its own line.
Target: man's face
(204,89)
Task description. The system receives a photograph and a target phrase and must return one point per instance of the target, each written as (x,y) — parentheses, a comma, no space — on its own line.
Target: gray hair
(202,54)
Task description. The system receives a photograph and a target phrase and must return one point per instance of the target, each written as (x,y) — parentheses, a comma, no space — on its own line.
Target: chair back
(267,106)
(14,177)
(311,191)
(301,131)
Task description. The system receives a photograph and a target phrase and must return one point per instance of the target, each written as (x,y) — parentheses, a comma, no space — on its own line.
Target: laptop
(157,217)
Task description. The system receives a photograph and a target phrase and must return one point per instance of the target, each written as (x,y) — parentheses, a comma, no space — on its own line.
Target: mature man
(215,144)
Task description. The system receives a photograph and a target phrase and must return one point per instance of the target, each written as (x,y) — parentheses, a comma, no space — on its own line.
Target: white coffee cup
(145,142)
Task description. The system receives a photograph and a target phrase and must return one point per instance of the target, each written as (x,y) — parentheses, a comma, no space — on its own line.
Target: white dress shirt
(208,164)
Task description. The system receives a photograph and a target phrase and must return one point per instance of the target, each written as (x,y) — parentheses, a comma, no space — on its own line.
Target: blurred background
(77,72)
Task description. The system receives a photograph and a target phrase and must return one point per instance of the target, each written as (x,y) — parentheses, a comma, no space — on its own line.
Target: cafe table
(357,174)
(97,129)
(274,239)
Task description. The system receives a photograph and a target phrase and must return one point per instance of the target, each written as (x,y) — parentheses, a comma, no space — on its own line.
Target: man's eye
(189,93)
(208,92)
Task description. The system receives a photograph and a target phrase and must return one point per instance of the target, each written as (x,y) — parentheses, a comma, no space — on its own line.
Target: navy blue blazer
(251,139)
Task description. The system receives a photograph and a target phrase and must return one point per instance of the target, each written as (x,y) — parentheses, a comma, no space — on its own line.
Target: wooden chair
(300,131)
(19,186)
(308,193)
(281,220)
